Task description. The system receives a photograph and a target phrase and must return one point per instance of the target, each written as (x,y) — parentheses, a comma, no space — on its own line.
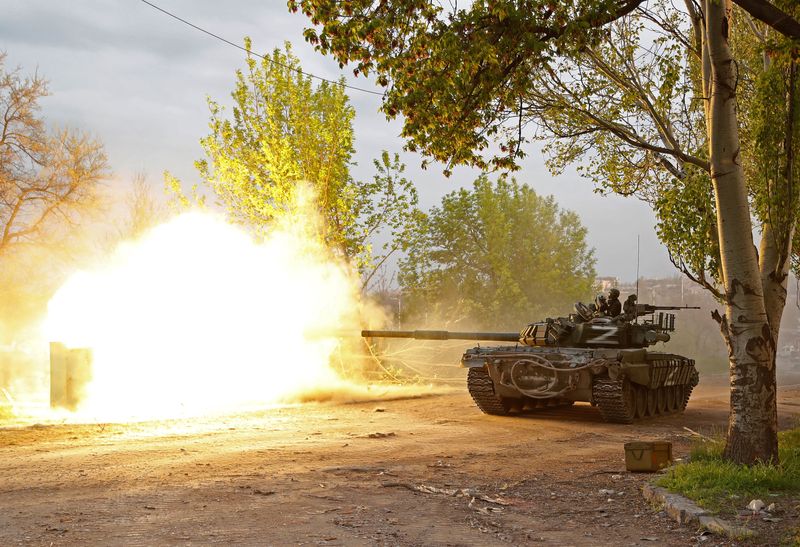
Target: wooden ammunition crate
(647,456)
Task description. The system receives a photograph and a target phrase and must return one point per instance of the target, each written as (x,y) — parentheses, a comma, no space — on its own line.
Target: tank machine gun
(644,309)
(581,357)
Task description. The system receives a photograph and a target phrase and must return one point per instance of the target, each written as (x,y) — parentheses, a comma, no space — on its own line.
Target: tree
(143,208)
(387,205)
(137,211)
(470,77)
(497,256)
(633,108)
(285,133)
(45,176)
(49,181)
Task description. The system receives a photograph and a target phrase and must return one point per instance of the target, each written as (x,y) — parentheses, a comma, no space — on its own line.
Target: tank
(584,356)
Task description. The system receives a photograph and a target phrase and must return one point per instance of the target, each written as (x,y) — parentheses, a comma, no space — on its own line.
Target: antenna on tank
(637,265)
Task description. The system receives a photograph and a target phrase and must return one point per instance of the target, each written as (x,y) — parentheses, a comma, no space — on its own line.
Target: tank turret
(587,329)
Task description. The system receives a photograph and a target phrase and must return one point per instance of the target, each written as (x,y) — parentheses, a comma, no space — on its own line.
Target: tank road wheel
(481,388)
(615,399)
(640,394)
(674,398)
(652,403)
(669,397)
(661,400)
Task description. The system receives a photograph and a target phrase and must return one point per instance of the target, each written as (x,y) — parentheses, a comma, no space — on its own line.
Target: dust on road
(423,471)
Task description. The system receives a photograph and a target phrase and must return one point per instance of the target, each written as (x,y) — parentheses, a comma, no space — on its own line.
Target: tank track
(613,398)
(481,388)
(617,399)
(695,379)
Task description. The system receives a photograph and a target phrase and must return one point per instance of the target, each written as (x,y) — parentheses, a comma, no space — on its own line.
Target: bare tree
(143,208)
(44,175)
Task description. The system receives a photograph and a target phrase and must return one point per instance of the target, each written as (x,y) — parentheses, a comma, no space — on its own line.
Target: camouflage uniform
(614,305)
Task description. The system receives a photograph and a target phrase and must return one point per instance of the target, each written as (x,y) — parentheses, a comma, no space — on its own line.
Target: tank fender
(638,373)
(633,355)
(634,366)
(474,361)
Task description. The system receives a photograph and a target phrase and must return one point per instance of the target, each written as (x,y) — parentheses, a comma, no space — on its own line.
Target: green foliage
(285,135)
(628,111)
(621,97)
(770,117)
(497,256)
(721,485)
(457,76)
(686,214)
(178,200)
(386,204)
(620,90)
(282,130)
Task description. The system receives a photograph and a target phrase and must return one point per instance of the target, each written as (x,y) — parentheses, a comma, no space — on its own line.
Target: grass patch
(719,485)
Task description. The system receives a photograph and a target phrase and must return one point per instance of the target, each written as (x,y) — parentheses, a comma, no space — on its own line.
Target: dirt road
(426,471)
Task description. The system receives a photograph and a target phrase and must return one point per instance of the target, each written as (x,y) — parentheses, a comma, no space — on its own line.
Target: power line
(237,46)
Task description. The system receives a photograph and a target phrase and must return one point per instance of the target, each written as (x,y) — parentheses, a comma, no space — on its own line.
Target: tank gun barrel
(442,335)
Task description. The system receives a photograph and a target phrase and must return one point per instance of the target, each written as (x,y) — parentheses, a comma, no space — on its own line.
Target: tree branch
(767,13)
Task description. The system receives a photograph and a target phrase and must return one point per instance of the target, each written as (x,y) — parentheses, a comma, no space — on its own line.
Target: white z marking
(608,337)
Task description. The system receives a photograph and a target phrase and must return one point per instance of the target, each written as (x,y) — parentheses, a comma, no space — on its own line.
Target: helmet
(613,293)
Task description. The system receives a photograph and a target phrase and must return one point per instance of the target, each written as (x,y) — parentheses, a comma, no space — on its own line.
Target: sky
(138,80)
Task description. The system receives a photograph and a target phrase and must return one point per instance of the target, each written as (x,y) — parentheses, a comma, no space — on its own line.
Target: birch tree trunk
(752,423)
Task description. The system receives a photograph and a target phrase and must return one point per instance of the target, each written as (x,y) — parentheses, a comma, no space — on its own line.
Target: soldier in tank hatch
(629,307)
(602,304)
(614,305)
